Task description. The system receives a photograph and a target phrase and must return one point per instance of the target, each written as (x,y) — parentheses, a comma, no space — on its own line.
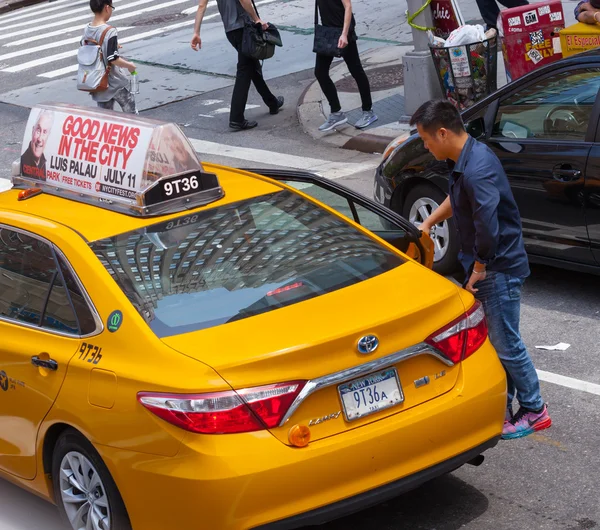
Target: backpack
(92,74)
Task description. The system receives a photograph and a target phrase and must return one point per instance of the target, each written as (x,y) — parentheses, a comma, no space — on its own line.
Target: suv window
(237,261)
(32,289)
(554,108)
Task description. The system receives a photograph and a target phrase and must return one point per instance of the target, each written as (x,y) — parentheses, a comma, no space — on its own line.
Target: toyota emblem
(368,344)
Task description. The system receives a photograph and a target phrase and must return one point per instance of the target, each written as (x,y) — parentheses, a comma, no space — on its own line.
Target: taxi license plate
(370,394)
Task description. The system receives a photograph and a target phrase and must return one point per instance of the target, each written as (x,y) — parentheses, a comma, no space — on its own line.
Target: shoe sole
(371,122)
(336,124)
(537,427)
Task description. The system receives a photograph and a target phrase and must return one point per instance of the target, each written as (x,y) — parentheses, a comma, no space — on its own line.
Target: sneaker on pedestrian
(275,109)
(368,117)
(242,126)
(526,422)
(509,414)
(335,119)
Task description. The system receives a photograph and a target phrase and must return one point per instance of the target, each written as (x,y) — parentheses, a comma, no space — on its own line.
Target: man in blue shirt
(492,251)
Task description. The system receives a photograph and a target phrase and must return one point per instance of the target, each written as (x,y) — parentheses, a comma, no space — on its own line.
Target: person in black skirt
(338,14)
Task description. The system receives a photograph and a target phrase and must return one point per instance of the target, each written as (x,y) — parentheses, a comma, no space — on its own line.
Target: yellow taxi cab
(190,346)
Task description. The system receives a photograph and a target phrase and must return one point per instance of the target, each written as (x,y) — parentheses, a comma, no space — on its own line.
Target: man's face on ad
(41,130)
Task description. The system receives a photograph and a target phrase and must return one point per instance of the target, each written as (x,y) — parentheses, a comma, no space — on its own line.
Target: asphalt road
(547,481)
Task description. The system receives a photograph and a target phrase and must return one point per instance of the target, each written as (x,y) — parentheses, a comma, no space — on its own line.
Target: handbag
(326,38)
(257,42)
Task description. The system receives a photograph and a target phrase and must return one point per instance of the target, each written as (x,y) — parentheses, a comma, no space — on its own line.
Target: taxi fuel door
(382,221)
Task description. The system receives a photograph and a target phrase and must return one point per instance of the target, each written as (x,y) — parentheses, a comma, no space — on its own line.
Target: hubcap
(440,233)
(83,494)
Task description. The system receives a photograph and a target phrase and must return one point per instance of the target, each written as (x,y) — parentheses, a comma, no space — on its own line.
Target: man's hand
(196,42)
(264,25)
(343,42)
(475,277)
(131,67)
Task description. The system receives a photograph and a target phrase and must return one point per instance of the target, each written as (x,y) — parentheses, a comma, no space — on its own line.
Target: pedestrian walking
(118,81)
(492,251)
(338,14)
(489,10)
(235,14)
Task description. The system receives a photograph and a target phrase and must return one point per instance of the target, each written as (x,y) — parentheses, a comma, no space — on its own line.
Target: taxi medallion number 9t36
(180,340)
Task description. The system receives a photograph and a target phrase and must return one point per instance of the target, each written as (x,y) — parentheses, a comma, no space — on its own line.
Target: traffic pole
(420,78)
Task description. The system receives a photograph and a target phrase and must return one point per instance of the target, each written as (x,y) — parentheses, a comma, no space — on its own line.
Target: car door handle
(50,364)
(566,175)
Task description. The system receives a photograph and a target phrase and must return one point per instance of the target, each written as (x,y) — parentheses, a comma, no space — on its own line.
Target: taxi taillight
(28,193)
(463,336)
(247,410)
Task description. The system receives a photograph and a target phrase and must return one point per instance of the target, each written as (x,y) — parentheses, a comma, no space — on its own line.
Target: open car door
(383,222)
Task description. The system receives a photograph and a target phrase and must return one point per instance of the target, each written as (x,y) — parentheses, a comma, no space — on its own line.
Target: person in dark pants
(489,10)
(234,14)
(492,251)
(338,14)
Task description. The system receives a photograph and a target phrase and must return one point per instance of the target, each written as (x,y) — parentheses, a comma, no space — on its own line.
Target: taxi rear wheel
(85,493)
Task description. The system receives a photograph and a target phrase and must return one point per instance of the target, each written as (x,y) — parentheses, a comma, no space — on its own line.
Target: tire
(421,201)
(73,452)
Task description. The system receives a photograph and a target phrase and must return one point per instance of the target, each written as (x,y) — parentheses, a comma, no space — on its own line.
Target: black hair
(595,4)
(98,5)
(436,114)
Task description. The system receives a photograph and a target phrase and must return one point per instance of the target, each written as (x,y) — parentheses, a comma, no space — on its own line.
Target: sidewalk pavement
(11,5)
(384,68)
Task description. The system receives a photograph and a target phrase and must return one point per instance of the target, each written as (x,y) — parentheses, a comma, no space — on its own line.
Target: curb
(310,112)
(12,5)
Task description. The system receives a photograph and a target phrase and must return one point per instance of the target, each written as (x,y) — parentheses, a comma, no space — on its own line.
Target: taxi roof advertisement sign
(86,153)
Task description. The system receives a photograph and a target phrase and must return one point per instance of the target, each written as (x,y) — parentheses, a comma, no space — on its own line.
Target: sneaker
(242,126)
(335,119)
(275,110)
(525,423)
(509,414)
(366,119)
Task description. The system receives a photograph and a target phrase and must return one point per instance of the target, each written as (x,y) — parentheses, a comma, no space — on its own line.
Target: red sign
(531,36)
(446,17)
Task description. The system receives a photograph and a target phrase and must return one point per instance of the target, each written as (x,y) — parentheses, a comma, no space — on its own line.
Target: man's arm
(196,40)
(440,214)
(249,8)
(347,20)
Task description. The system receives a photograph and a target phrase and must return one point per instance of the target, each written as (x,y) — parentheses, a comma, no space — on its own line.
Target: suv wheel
(419,203)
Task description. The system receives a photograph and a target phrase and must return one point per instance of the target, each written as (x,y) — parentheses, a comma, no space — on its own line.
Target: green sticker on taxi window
(114,321)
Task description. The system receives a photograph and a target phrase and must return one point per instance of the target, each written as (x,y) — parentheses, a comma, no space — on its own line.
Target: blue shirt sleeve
(484,197)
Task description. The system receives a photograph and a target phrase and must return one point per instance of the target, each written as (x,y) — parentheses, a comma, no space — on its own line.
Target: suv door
(43,315)
(543,134)
(378,219)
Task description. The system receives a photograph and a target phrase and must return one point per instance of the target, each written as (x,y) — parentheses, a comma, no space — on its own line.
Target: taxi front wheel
(85,493)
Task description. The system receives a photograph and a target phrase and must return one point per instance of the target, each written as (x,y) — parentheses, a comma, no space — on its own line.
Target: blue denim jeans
(500,295)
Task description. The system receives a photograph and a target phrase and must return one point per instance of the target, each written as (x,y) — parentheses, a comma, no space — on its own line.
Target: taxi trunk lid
(316,341)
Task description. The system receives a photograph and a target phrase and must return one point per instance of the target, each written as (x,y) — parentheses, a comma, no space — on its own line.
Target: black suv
(545,129)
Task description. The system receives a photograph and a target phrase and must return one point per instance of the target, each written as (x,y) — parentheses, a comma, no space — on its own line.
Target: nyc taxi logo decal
(114,321)
(3,381)
(8,383)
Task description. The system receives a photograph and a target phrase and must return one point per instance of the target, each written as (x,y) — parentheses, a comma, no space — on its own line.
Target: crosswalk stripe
(38,20)
(331,170)
(32,11)
(57,44)
(45,34)
(71,53)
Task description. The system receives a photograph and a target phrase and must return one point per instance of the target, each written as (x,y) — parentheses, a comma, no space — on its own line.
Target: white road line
(332,170)
(33,11)
(71,53)
(57,44)
(569,382)
(44,34)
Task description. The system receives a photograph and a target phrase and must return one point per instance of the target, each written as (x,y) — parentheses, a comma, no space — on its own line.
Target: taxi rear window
(239,260)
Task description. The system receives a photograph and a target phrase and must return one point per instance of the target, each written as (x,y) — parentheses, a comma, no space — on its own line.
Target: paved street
(547,481)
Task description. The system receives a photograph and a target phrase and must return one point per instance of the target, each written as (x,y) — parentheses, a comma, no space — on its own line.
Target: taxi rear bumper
(253,481)
(378,495)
